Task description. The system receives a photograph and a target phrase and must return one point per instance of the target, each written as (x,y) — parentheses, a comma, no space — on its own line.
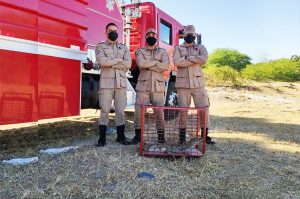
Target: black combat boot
(136,139)
(182,135)
(121,136)
(208,139)
(161,135)
(102,138)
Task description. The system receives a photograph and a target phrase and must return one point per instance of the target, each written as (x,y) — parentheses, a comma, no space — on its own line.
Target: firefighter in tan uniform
(152,62)
(114,59)
(189,59)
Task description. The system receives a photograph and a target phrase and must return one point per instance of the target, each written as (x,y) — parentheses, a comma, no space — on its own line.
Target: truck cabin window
(165,32)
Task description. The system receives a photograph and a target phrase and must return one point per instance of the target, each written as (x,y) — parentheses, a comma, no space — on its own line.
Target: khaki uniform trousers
(154,98)
(106,95)
(200,99)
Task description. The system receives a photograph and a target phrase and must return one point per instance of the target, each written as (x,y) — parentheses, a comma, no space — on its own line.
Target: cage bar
(183,133)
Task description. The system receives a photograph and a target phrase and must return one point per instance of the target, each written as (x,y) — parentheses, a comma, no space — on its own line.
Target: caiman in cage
(182,132)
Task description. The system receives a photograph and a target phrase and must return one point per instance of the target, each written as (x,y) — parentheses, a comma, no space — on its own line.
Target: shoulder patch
(97,51)
(137,53)
(122,46)
(101,44)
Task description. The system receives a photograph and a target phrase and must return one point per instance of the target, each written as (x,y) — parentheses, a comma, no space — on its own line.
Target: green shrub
(228,57)
(278,70)
(222,75)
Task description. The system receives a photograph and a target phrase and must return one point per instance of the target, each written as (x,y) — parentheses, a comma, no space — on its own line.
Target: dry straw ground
(257,155)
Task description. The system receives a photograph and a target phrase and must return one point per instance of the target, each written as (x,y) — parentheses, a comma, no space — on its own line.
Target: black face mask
(189,39)
(113,36)
(151,41)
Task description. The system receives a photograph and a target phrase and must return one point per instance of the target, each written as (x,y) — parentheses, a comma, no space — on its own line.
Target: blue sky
(262,29)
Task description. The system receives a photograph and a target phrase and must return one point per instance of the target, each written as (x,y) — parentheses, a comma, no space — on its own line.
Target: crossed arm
(186,61)
(119,63)
(155,65)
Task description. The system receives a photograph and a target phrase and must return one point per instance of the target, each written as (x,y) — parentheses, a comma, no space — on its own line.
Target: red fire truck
(45,45)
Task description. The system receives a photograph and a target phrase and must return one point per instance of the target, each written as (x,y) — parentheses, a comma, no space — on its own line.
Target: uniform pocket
(180,82)
(200,97)
(141,85)
(158,57)
(159,77)
(183,52)
(195,52)
(180,74)
(101,95)
(121,53)
(160,86)
(198,73)
(206,101)
(108,52)
(123,79)
(199,81)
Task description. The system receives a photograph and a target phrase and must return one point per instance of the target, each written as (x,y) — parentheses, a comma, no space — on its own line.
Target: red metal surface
(45,88)
(139,27)
(18,87)
(40,86)
(142,129)
(55,22)
(176,26)
(175,108)
(58,87)
(179,155)
(19,19)
(37,86)
(204,131)
(151,16)
(98,16)
(198,126)
(62,23)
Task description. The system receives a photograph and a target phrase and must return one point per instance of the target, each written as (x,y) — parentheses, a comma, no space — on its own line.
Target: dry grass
(257,155)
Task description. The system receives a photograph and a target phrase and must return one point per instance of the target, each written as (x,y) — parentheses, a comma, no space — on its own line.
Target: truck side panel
(62,24)
(18,70)
(59,86)
(40,73)
(139,28)
(153,17)
(42,44)
(98,15)
(18,87)
(168,31)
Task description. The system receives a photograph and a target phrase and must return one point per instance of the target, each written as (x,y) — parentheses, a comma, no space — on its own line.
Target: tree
(295,57)
(229,57)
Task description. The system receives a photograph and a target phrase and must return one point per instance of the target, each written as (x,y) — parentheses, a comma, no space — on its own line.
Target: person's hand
(119,59)
(89,65)
(190,57)
(156,62)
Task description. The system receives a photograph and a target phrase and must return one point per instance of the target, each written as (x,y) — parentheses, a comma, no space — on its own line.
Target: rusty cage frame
(194,146)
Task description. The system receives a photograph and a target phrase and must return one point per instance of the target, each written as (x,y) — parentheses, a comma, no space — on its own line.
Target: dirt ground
(256,155)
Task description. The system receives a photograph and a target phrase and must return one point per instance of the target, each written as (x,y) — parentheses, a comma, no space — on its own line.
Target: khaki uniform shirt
(189,62)
(152,64)
(114,60)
